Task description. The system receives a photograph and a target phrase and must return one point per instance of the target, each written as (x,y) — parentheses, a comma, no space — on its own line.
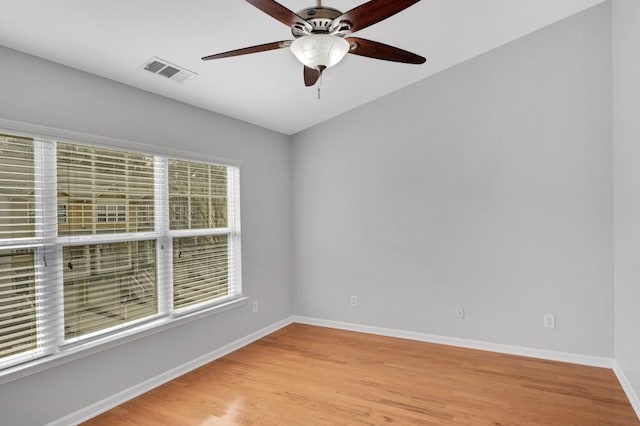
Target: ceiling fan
(319,35)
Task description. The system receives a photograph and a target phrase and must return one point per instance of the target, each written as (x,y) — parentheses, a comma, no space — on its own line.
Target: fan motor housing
(320,19)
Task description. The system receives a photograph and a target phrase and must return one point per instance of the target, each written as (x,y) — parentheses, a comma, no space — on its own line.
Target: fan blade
(281,13)
(373,49)
(252,49)
(370,13)
(311,76)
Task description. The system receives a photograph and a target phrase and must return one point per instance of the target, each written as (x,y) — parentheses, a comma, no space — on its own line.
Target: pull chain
(319,84)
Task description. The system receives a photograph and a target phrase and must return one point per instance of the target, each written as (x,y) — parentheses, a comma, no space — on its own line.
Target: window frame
(48,253)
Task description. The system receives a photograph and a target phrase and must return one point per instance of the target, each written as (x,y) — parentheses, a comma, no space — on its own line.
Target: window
(200,269)
(111,294)
(19,241)
(62,213)
(202,234)
(111,213)
(121,239)
(101,288)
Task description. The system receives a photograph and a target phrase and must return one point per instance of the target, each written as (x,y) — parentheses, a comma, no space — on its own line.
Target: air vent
(169,71)
(166,69)
(154,66)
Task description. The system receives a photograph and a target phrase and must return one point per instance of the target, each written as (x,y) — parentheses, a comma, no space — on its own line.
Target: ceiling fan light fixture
(320,51)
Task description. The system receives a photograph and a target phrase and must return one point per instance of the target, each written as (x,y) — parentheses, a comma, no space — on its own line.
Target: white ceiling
(113,38)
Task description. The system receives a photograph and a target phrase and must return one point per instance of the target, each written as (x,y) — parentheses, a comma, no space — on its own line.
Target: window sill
(96,346)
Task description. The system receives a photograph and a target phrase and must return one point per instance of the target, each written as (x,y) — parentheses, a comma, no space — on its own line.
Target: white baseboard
(593,361)
(93,410)
(634,399)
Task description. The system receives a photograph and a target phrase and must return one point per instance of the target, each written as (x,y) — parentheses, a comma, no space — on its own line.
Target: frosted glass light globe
(320,51)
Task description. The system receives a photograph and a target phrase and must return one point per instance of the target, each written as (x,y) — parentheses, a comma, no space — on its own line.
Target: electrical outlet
(460,313)
(256,306)
(354,300)
(549,321)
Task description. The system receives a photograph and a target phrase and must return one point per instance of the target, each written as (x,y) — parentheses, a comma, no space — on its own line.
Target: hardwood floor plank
(306,375)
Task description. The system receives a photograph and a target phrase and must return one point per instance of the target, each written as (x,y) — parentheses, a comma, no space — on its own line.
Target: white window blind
(203,206)
(120,239)
(17,188)
(104,190)
(18,331)
(20,275)
(108,258)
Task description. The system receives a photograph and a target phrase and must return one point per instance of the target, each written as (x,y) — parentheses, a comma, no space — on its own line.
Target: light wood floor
(304,375)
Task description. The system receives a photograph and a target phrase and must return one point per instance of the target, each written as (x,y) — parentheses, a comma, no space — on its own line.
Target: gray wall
(487,186)
(40,92)
(626,142)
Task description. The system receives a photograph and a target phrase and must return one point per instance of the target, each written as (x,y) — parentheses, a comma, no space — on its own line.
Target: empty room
(336,212)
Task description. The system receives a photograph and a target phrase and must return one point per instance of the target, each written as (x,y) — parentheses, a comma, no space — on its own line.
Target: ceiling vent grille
(166,69)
